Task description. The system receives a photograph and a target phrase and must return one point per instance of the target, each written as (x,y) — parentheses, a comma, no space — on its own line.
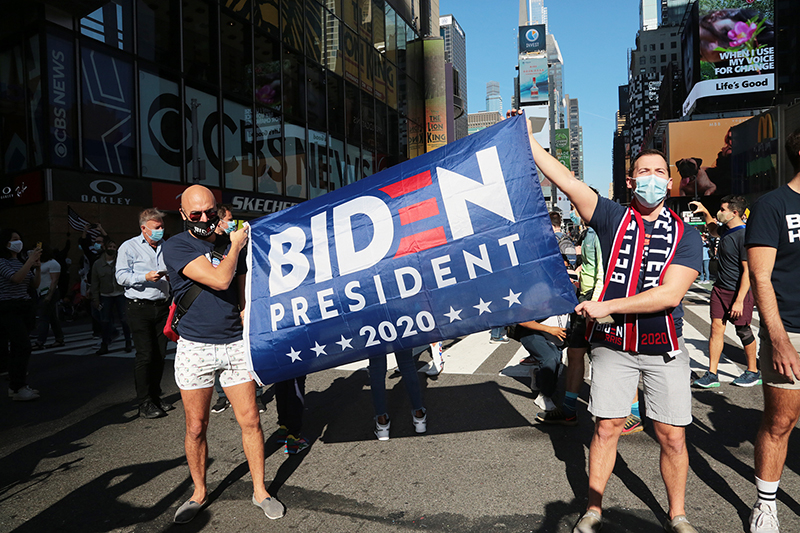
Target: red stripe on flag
(423,179)
(424,209)
(421,241)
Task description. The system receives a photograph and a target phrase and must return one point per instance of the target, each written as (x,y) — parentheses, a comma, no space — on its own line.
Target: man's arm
(125,274)
(555,331)
(584,198)
(761,260)
(53,285)
(668,295)
(737,308)
(201,271)
(700,209)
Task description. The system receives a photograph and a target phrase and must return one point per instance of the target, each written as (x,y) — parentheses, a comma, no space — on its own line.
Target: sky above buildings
(594,38)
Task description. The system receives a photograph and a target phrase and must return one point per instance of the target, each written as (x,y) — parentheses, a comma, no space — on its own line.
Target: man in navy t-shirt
(211,343)
(773,251)
(651,260)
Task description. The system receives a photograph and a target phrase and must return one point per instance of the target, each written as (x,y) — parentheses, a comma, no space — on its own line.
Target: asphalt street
(80,460)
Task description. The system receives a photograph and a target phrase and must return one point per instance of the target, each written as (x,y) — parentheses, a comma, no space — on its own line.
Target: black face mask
(111,253)
(203,229)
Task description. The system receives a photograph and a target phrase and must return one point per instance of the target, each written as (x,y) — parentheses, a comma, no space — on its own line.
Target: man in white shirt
(141,271)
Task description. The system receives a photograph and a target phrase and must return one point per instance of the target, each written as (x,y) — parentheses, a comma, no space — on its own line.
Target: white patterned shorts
(197,363)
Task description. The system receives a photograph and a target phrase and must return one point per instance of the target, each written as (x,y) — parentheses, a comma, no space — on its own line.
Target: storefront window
(108,141)
(336,119)
(337,160)
(368,122)
(316,97)
(352,108)
(160,135)
(353,166)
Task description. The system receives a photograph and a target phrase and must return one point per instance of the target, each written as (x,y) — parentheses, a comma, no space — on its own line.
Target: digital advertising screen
(533,80)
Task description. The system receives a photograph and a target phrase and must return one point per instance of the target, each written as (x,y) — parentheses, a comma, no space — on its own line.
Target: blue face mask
(97,247)
(575,218)
(157,234)
(650,190)
(231,227)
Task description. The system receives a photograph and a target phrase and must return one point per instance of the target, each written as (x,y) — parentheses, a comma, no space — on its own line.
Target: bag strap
(194,291)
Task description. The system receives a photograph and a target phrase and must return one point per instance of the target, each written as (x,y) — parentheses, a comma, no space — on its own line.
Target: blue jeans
(377,380)
(498,333)
(706,274)
(549,357)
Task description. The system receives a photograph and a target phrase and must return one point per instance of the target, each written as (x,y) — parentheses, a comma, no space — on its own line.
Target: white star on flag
(345,343)
(513,297)
(482,307)
(319,350)
(295,355)
(453,315)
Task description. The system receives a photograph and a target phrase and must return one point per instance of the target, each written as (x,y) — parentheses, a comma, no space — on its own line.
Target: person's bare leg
(752,357)
(197,403)
(602,456)
(575,369)
(781,412)
(715,343)
(243,402)
(674,464)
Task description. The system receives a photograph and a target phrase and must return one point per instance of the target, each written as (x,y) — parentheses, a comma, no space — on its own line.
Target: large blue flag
(446,244)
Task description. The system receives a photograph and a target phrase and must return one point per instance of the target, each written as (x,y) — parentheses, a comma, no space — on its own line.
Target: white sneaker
(24,394)
(382,430)
(544,402)
(763,519)
(420,424)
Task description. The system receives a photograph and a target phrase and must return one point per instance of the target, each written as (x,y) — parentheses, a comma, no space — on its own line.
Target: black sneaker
(221,405)
(150,410)
(103,349)
(557,416)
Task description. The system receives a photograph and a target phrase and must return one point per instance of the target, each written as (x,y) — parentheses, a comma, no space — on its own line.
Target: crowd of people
(631,268)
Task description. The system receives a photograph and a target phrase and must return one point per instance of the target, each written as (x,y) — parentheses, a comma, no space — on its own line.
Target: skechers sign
(532,38)
(445,244)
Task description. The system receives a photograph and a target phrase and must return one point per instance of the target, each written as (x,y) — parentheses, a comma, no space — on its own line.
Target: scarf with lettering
(651,333)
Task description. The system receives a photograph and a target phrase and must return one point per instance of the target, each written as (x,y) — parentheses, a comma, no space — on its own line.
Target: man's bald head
(197,198)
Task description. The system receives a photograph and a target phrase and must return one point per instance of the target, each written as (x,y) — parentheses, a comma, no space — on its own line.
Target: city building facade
(455,53)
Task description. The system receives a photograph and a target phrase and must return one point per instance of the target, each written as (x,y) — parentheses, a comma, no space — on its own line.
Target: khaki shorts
(197,363)
(768,374)
(665,379)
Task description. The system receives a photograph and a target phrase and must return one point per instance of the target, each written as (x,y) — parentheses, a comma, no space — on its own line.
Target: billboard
(699,156)
(562,147)
(735,45)
(532,39)
(533,80)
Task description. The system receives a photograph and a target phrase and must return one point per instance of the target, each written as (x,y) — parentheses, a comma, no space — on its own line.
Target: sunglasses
(195,216)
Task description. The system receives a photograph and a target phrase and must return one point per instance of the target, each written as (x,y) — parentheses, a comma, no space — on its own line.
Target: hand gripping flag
(451,242)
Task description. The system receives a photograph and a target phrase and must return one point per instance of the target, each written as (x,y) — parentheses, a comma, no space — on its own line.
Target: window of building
(336,116)
(652,47)
(294,159)
(352,108)
(160,143)
(391,34)
(267,69)
(159,31)
(673,57)
(108,106)
(203,160)
(268,150)
(199,39)
(294,94)
(334,52)
(112,24)
(367,122)
(318,176)
(661,46)
(378,27)
(317,102)
(337,161)
(642,60)
(266,16)
(335,6)
(663,58)
(673,44)
(652,59)
(315,32)
(236,46)
(292,23)
(238,164)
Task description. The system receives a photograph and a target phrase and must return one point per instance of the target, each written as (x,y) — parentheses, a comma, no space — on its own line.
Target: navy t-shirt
(731,253)
(689,253)
(213,318)
(775,222)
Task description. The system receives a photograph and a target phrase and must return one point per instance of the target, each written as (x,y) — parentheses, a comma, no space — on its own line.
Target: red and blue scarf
(651,333)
